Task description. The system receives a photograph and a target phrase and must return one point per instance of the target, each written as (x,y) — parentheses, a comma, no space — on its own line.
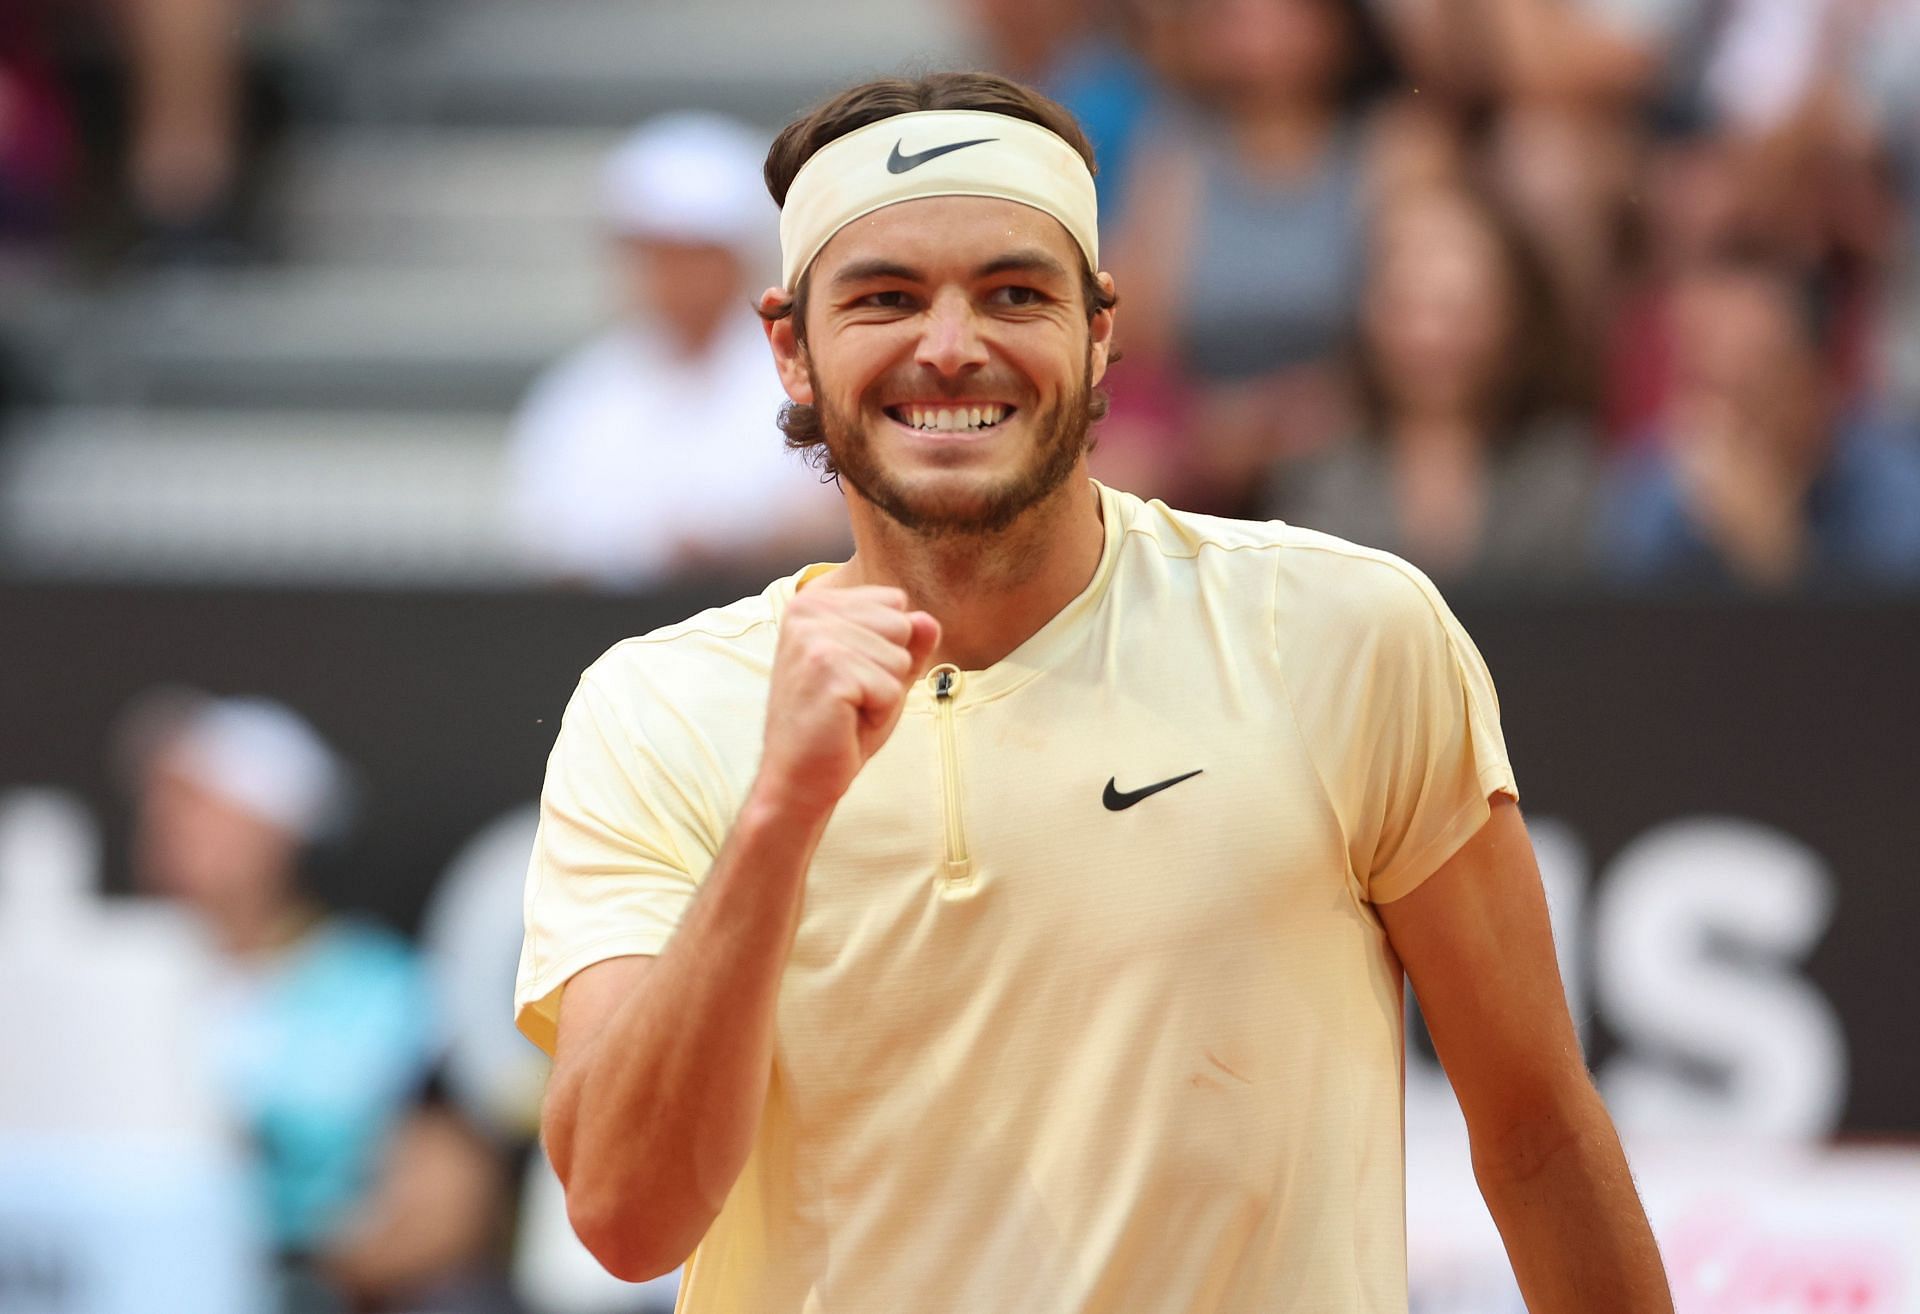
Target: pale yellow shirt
(1036,1054)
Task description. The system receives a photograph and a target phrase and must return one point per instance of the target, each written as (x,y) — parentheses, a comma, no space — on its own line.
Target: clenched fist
(841,671)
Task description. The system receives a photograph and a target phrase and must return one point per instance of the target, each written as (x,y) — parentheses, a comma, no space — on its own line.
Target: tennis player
(1013,917)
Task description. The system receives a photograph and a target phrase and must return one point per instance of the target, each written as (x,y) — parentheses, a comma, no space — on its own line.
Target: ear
(1100,329)
(789,356)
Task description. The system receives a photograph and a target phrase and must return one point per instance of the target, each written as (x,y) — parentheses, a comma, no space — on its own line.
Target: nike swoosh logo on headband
(898,163)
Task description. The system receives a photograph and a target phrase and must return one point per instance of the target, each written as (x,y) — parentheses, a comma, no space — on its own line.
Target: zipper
(946,686)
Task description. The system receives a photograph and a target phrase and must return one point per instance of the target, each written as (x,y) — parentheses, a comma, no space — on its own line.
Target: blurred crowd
(1618,293)
(344,1117)
(138,123)
(1528,291)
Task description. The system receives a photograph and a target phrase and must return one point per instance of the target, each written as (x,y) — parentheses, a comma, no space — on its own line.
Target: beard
(975,507)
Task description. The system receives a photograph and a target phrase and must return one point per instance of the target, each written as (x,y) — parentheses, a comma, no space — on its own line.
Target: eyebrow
(861,271)
(1031,260)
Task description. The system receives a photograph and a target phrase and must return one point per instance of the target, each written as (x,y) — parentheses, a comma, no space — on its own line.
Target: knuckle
(816,660)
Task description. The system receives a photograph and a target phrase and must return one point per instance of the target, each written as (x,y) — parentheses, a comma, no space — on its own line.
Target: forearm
(1559,1190)
(1547,51)
(649,1132)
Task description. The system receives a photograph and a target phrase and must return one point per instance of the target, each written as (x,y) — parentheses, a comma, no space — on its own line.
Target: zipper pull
(946,682)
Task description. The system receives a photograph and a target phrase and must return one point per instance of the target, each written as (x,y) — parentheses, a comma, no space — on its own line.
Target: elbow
(1523,1141)
(633,1244)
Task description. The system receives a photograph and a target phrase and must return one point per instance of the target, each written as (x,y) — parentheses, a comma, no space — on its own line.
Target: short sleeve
(613,866)
(1400,715)
(1439,754)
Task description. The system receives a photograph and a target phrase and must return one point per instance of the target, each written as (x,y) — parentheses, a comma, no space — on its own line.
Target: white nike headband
(935,153)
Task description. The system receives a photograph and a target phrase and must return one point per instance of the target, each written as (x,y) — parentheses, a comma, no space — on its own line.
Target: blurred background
(367,367)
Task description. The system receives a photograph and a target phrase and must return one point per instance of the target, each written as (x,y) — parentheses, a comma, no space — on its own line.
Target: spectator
(1468,462)
(1070,50)
(1762,476)
(654,447)
(160,91)
(1243,251)
(429,1234)
(187,61)
(1780,143)
(1541,51)
(1892,105)
(1690,207)
(36,133)
(1816,95)
(321,1031)
(1555,89)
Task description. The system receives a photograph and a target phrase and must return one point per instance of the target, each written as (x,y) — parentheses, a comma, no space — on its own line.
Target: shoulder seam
(1333,546)
(1406,570)
(687,629)
(1214,543)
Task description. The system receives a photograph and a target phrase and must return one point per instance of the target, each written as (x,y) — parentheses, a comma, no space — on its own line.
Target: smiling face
(950,355)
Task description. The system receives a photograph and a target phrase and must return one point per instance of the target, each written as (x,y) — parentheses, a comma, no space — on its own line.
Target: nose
(950,342)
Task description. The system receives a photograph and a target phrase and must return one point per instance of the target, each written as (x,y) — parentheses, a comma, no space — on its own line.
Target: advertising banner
(1722,796)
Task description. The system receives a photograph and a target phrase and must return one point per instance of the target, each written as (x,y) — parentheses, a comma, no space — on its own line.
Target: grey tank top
(1273,270)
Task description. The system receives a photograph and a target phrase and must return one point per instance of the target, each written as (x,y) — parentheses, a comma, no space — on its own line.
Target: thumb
(926,636)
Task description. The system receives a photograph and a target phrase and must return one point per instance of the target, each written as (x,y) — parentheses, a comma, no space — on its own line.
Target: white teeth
(946,419)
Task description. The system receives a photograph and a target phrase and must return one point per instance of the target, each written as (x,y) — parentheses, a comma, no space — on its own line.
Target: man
(1012,916)
(322,1027)
(650,449)
(1762,476)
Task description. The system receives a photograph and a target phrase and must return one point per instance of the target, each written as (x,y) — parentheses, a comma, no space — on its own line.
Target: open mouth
(955,418)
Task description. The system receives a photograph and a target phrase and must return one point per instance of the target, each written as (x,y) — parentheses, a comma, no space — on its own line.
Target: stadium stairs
(338,413)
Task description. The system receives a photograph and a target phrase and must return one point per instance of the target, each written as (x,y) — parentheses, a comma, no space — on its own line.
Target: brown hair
(1537,374)
(884,98)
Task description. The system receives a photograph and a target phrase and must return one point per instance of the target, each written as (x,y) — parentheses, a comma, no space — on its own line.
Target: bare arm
(1476,944)
(1549,49)
(661,1065)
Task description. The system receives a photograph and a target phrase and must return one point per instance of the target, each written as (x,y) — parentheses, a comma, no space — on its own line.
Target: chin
(969,491)
(960,499)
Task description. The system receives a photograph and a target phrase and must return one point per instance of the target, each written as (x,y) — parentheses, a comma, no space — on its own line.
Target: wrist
(777,805)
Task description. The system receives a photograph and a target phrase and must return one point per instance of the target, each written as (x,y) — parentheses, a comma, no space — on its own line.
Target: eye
(1016,295)
(893,299)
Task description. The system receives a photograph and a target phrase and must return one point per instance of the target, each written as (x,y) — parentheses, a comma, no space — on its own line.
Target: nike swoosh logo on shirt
(898,163)
(1118,800)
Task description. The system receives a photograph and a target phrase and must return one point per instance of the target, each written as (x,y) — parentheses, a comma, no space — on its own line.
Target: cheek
(1048,360)
(854,371)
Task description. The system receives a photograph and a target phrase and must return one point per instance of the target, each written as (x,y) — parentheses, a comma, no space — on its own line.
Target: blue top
(1862,515)
(321,1050)
(1113,94)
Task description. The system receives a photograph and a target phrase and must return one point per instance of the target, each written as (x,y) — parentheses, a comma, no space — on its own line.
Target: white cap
(691,177)
(258,754)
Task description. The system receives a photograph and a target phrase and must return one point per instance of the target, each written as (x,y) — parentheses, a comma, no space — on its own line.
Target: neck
(990,592)
(254,929)
(1451,431)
